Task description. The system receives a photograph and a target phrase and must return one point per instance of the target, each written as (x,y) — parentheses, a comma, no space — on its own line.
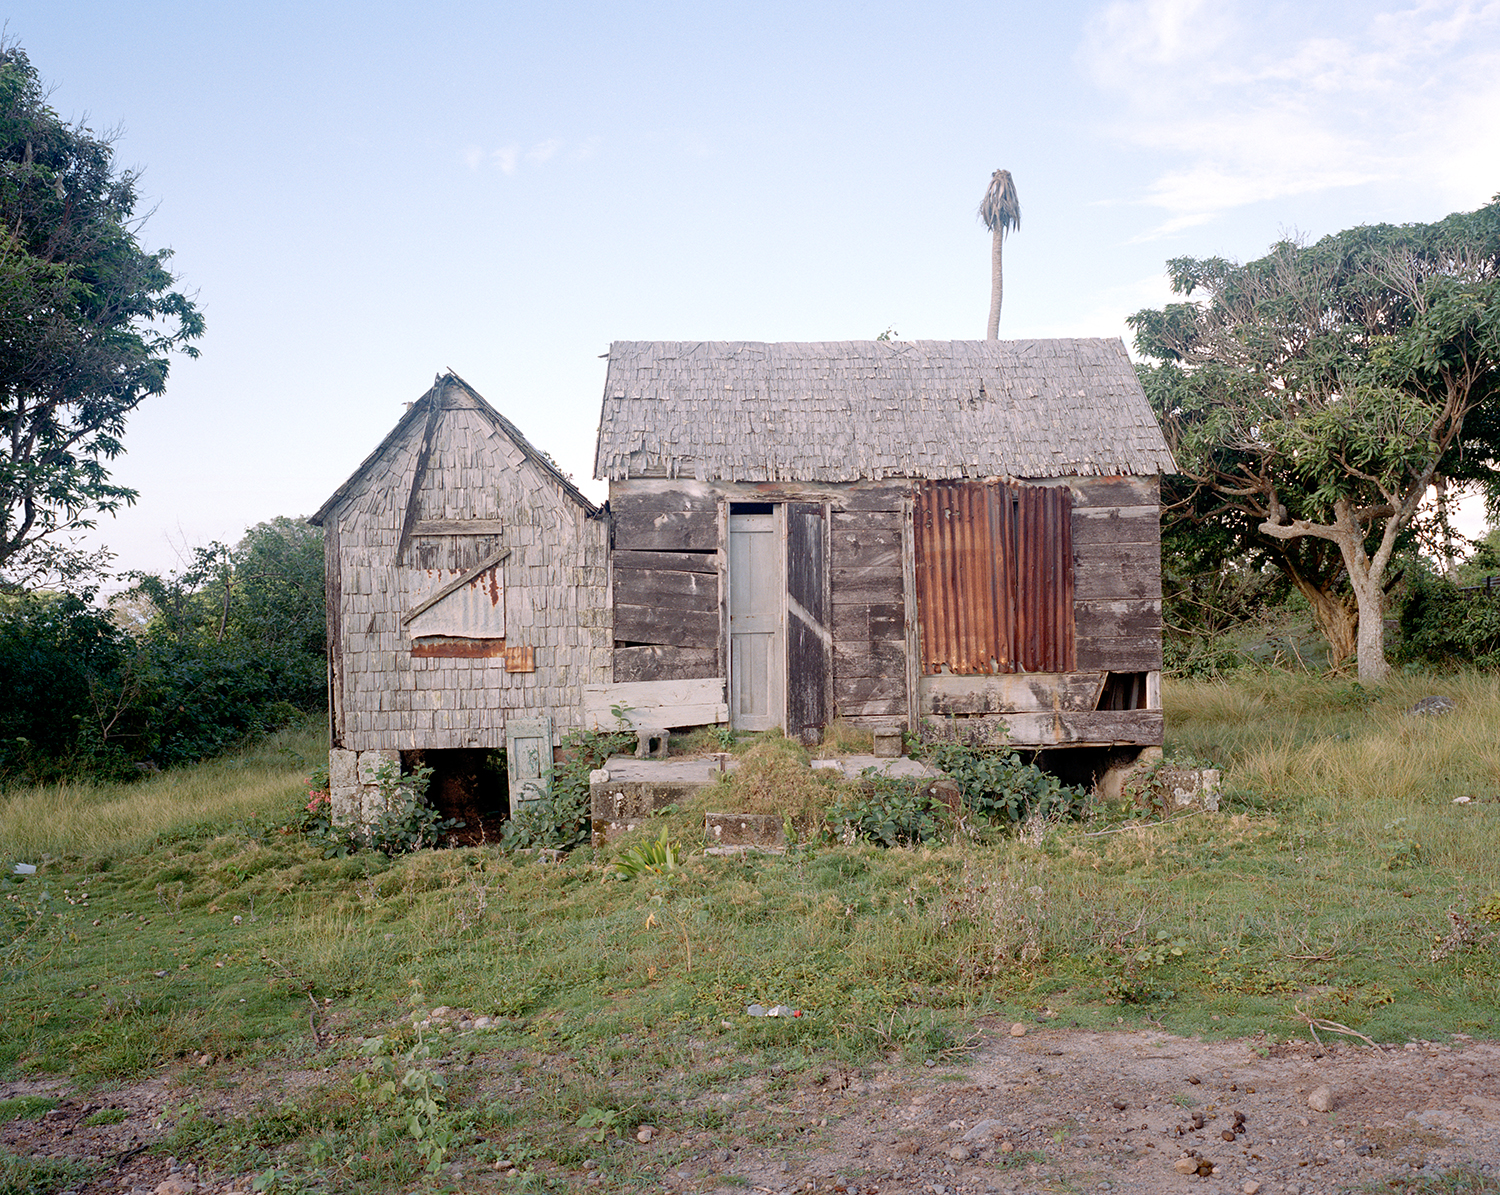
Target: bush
(561,816)
(889,811)
(995,783)
(1445,626)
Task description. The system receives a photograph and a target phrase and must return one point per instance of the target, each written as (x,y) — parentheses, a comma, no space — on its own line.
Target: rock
(985,1130)
(1320,1099)
(175,1185)
(645,1133)
(721,1156)
(1186,1165)
(1018,1030)
(1432,707)
(441,1011)
(1250,1187)
(1006,1147)
(482,1022)
(959,1153)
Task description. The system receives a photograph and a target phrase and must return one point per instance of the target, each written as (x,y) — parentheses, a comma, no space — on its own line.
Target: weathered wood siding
(1117,573)
(667,569)
(867,532)
(555,590)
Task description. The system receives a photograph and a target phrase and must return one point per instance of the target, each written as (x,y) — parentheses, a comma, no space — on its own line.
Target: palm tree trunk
(997,284)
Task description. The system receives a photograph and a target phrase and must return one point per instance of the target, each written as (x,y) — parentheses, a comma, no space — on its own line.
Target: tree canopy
(88,317)
(1314,396)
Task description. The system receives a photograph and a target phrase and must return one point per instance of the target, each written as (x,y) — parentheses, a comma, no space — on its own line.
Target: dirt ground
(1049,1110)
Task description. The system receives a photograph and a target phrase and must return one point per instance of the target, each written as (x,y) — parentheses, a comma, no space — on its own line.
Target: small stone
(175,1184)
(482,1022)
(1227,1135)
(756,1010)
(441,1011)
(1320,1099)
(959,1153)
(721,1156)
(1250,1187)
(645,1133)
(1006,1147)
(1186,1165)
(1194,1080)
(985,1130)
(1018,1030)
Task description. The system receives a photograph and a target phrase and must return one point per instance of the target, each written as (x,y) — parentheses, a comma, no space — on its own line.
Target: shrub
(889,811)
(995,783)
(561,817)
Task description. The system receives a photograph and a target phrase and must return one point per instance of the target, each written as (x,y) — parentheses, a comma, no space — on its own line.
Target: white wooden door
(757,652)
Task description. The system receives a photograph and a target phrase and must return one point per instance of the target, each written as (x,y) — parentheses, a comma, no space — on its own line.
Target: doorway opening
(468,783)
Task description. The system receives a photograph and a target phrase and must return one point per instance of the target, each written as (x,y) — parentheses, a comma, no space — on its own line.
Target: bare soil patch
(1055,1109)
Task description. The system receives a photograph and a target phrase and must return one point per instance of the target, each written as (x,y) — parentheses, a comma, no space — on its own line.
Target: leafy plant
(655,858)
(418,1094)
(602,1122)
(997,784)
(561,816)
(891,812)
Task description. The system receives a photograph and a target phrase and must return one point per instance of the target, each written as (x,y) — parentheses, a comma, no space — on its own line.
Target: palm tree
(1000,211)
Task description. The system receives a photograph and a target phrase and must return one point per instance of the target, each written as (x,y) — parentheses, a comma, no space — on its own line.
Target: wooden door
(808,621)
(757,653)
(528,759)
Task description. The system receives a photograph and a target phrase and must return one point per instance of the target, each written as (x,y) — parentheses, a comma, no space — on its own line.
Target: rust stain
(449,647)
(520,659)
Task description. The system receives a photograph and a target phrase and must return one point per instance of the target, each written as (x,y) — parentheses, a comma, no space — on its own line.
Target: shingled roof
(846,410)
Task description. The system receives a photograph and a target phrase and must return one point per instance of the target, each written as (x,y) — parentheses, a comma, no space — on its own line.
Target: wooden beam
(1096,728)
(647,704)
(458,527)
(419,471)
(1013,692)
(458,582)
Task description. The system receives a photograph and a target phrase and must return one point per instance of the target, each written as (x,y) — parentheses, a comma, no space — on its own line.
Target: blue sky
(363,195)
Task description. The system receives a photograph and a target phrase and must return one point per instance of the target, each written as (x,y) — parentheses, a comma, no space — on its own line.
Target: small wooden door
(808,621)
(757,651)
(528,759)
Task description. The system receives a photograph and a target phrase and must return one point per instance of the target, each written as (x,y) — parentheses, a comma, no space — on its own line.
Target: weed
(560,816)
(40,1176)
(889,811)
(656,858)
(26,1107)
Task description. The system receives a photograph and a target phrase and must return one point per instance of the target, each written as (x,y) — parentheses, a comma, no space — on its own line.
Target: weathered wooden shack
(959,536)
(467,590)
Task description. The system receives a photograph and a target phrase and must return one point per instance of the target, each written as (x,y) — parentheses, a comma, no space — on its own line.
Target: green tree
(1001,211)
(88,318)
(1314,396)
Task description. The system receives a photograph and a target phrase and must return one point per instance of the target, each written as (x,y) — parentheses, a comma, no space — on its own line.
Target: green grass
(39,1176)
(207,930)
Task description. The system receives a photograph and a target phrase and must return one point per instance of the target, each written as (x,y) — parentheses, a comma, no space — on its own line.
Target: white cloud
(1247,107)
(508,159)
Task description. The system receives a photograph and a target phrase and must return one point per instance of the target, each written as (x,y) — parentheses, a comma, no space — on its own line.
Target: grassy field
(177,918)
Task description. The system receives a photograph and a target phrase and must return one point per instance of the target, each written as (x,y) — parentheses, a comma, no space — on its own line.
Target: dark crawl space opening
(468,783)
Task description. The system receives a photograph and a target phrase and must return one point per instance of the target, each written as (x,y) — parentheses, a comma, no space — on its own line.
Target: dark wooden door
(808,622)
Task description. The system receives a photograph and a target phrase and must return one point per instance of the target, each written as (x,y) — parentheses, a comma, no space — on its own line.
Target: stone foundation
(353,784)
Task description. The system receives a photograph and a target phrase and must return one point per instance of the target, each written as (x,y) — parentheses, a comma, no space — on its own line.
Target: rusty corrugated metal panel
(994,577)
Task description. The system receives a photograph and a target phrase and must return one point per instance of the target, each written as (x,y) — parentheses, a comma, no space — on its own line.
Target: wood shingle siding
(466,488)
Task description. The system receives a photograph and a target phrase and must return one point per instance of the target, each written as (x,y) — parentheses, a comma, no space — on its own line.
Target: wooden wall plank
(672,628)
(1114,491)
(663,520)
(1095,728)
(669,590)
(682,562)
(649,704)
(1116,571)
(939,696)
(660,662)
(1116,525)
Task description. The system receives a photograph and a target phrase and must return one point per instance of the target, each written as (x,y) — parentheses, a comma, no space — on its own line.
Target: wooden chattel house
(959,536)
(467,588)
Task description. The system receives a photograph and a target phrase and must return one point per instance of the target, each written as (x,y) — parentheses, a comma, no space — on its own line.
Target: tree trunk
(1371,654)
(1333,617)
(997,284)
